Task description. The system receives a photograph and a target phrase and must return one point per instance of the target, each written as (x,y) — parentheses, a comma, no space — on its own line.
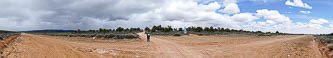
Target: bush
(6,35)
(114,35)
(265,34)
(176,35)
(330,48)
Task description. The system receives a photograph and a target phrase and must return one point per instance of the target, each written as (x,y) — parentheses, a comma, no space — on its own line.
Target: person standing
(148,37)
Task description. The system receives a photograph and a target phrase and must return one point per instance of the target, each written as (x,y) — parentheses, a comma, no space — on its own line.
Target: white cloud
(305,12)
(313,27)
(331,25)
(318,21)
(298,3)
(316,26)
(297,28)
(230,9)
(273,16)
(244,17)
(196,15)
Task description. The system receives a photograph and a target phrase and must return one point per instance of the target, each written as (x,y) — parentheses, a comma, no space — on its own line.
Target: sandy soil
(31,46)
(220,46)
(190,46)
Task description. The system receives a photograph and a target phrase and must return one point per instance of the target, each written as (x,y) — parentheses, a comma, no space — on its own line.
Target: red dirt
(7,41)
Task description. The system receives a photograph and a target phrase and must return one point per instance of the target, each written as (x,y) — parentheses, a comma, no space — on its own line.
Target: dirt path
(173,50)
(32,46)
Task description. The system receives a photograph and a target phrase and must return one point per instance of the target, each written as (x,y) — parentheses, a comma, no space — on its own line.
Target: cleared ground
(190,46)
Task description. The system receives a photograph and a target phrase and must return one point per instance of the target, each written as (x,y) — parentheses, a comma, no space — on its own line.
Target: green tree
(268,32)
(91,31)
(180,29)
(168,29)
(120,29)
(198,29)
(233,30)
(100,30)
(147,29)
(227,30)
(259,32)
(206,29)
(154,28)
(211,29)
(222,29)
(127,29)
(277,32)
(242,30)
(159,27)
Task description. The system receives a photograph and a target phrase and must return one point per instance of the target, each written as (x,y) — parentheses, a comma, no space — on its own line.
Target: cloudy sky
(291,16)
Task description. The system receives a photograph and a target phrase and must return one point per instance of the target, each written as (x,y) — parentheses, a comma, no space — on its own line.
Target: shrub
(6,35)
(176,35)
(330,48)
(115,35)
(265,34)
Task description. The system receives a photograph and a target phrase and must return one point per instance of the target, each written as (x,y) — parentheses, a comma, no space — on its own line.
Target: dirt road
(191,46)
(172,50)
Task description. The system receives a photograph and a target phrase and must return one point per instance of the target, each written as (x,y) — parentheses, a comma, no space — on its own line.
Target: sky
(289,16)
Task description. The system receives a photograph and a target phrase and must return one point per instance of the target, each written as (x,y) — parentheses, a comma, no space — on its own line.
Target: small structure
(185,31)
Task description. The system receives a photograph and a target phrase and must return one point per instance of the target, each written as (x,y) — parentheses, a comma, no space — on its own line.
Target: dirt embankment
(322,48)
(7,41)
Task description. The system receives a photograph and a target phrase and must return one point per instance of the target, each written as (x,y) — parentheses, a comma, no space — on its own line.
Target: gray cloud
(68,14)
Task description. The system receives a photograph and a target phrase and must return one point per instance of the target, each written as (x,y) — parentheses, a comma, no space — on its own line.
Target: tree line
(160,28)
